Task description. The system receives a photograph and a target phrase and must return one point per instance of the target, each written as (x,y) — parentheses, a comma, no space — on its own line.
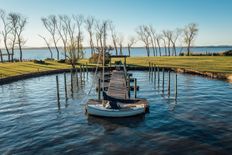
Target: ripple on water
(198,122)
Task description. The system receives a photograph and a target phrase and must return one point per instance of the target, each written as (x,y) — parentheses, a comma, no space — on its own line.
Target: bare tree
(21,23)
(5,32)
(120,43)
(79,20)
(167,34)
(190,33)
(174,37)
(158,38)
(13,20)
(152,35)
(164,44)
(48,45)
(63,31)
(143,35)
(1,57)
(114,36)
(131,42)
(90,21)
(50,24)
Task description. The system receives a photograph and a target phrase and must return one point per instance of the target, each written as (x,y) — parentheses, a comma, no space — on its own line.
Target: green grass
(216,64)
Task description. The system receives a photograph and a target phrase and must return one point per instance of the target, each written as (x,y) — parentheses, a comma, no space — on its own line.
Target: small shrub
(39,62)
(227,53)
(61,61)
(94,58)
(49,59)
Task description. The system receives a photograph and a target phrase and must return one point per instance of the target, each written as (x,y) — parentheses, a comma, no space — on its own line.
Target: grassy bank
(217,64)
(222,65)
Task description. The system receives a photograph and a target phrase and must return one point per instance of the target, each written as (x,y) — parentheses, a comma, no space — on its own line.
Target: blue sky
(212,16)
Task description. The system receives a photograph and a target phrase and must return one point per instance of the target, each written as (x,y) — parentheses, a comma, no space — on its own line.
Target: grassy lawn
(216,64)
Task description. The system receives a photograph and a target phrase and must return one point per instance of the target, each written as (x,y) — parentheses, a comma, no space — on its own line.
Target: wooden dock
(117,87)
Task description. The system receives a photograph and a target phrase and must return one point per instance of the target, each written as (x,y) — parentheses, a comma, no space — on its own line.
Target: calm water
(199,122)
(41,54)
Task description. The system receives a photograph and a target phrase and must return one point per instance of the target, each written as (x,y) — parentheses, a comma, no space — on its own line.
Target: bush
(49,59)
(94,58)
(61,61)
(227,53)
(39,62)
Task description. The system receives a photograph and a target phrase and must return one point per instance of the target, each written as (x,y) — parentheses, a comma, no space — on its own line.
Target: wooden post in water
(169,80)
(71,75)
(154,75)
(149,68)
(152,71)
(163,81)
(65,87)
(57,92)
(86,67)
(99,89)
(135,88)
(176,88)
(81,74)
(158,76)
(128,85)
(77,77)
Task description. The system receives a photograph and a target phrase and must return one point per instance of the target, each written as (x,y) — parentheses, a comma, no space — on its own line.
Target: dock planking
(117,87)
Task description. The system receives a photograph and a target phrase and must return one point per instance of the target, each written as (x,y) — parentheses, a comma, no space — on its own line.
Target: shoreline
(219,76)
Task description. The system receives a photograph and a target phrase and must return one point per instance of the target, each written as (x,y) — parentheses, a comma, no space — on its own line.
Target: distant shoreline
(138,47)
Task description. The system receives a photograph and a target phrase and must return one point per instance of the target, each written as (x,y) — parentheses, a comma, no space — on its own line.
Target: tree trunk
(21,52)
(129,51)
(7,50)
(1,58)
(116,49)
(188,49)
(121,50)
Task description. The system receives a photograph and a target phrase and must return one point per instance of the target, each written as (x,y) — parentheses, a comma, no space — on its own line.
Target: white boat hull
(99,110)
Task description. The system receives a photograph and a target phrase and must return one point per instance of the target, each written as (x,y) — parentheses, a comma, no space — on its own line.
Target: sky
(212,16)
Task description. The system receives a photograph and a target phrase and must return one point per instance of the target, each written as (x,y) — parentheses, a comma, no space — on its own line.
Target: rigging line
(94,78)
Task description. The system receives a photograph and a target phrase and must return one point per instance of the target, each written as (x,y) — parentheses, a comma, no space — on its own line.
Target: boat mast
(103,55)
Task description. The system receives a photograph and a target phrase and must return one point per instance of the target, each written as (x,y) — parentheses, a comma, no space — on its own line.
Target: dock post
(135,87)
(154,75)
(128,85)
(169,83)
(176,88)
(77,77)
(163,81)
(81,74)
(152,71)
(57,92)
(149,68)
(71,83)
(99,89)
(65,87)
(86,67)
(158,76)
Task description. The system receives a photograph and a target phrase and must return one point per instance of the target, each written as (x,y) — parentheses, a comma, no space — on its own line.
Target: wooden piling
(158,76)
(135,88)
(86,67)
(169,80)
(176,88)
(71,76)
(57,92)
(65,87)
(163,81)
(99,89)
(128,85)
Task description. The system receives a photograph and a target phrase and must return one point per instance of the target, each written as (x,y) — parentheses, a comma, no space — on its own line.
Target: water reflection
(198,122)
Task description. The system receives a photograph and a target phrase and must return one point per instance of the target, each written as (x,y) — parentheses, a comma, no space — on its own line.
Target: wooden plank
(117,86)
